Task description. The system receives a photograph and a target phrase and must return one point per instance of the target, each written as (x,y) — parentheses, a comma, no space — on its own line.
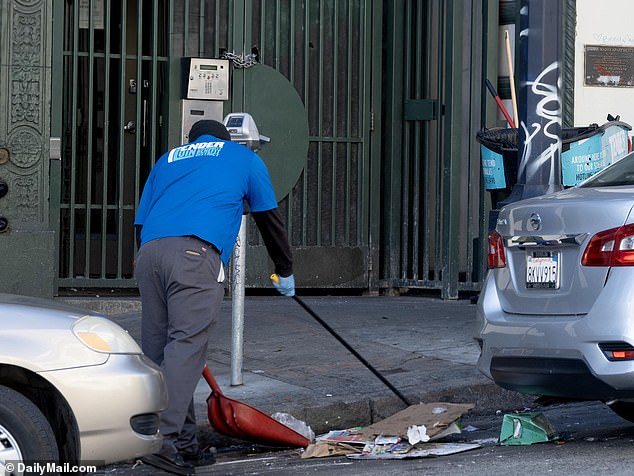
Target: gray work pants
(180,281)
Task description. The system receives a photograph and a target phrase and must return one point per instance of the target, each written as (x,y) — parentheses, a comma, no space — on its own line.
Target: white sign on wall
(603,61)
(85,13)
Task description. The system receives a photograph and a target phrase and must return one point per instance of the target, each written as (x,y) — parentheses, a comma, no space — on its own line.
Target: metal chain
(241,61)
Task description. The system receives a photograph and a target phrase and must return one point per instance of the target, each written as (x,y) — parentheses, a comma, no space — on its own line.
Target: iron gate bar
(349,93)
(291,77)
(320,127)
(304,219)
(122,121)
(405,204)
(450,167)
(418,222)
(442,65)
(106,145)
(333,149)
(89,150)
(73,99)
(428,134)
(139,131)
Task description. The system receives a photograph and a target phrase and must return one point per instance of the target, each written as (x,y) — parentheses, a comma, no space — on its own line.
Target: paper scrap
(422,451)
(321,449)
(416,434)
(352,436)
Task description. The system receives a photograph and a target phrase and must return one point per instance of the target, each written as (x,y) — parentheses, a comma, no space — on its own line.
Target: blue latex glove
(285,286)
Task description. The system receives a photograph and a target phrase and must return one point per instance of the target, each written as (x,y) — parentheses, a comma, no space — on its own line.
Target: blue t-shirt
(199,188)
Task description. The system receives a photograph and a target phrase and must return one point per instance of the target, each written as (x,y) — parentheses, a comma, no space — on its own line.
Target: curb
(488,398)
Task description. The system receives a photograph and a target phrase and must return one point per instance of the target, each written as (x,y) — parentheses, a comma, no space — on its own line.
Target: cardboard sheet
(436,417)
(322,449)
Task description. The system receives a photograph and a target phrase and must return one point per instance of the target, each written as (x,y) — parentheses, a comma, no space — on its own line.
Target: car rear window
(619,173)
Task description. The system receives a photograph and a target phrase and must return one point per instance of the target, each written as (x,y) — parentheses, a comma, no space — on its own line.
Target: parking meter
(243,130)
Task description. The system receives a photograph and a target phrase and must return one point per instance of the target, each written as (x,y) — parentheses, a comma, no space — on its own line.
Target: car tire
(25,433)
(624,409)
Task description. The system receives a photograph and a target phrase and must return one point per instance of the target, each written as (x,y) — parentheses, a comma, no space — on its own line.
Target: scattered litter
(387,440)
(406,434)
(343,436)
(323,448)
(526,429)
(421,451)
(294,424)
(470,428)
(486,441)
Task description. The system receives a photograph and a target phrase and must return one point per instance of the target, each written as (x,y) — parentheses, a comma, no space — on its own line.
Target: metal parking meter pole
(244,131)
(539,98)
(237,303)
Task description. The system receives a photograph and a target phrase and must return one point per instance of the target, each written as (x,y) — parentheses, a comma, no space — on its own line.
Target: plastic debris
(294,424)
(526,429)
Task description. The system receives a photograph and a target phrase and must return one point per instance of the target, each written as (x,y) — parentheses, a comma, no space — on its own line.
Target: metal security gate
(389,195)
(433,206)
(330,53)
(114,63)
(120,65)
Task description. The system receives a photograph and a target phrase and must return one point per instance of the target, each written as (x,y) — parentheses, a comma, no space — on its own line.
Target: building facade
(371,106)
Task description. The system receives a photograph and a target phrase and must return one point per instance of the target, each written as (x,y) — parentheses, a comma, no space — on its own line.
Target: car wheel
(624,409)
(25,434)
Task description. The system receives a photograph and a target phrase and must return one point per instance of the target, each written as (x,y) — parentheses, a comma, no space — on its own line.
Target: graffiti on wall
(542,145)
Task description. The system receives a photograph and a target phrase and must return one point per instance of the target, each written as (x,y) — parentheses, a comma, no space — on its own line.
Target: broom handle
(509,60)
(352,351)
(498,101)
(211,380)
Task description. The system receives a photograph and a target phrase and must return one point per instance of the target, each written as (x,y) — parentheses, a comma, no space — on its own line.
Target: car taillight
(496,257)
(614,247)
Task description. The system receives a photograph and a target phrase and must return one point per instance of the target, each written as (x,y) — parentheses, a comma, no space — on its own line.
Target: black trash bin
(580,157)
(584,151)
(498,154)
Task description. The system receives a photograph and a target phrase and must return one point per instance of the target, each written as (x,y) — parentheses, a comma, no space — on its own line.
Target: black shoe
(204,457)
(172,464)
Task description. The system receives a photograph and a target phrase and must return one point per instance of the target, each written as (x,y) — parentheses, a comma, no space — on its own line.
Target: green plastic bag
(526,429)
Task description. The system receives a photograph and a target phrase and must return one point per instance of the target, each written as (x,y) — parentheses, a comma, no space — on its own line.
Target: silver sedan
(74,387)
(556,312)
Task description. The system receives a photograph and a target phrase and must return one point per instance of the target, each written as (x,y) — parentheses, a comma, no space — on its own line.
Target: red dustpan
(236,419)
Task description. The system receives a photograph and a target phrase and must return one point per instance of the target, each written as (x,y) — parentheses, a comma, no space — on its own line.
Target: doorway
(113,111)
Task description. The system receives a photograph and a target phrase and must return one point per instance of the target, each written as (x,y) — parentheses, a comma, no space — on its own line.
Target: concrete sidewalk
(291,364)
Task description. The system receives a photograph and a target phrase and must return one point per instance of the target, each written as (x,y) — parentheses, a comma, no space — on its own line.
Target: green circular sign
(279,114)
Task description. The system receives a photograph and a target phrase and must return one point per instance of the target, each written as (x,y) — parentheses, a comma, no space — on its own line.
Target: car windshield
(619,173)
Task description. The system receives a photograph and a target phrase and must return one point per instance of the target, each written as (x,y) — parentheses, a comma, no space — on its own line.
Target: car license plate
(542,270)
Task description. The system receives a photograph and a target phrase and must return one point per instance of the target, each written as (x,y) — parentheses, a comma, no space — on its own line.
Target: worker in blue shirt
(187,223)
